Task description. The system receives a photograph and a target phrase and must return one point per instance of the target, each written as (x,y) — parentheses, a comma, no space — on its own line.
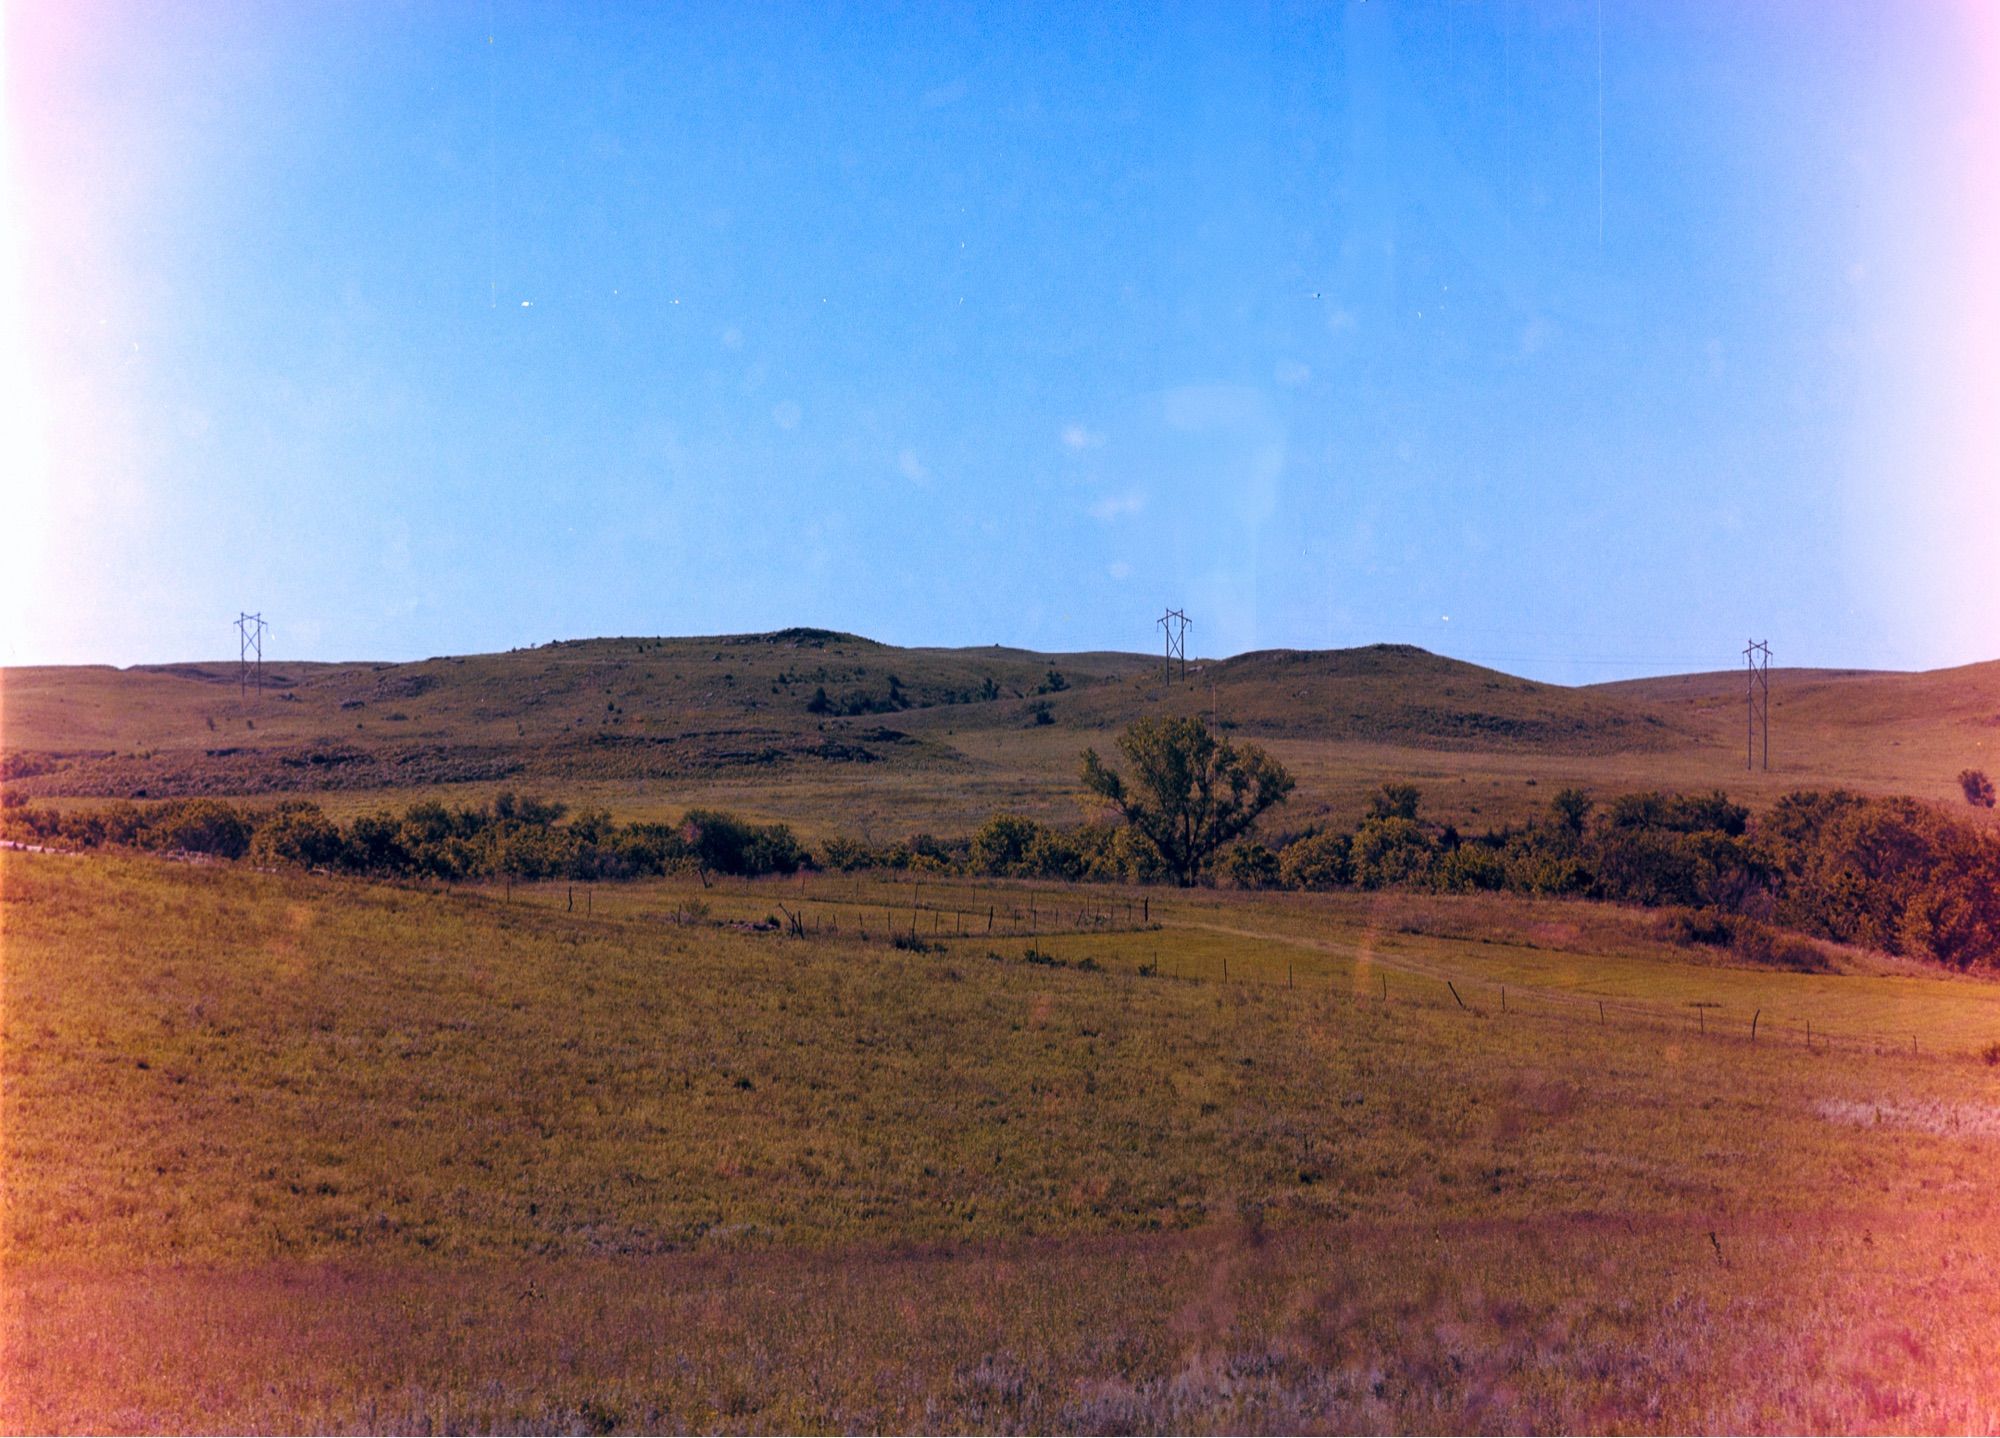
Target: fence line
(1086,916)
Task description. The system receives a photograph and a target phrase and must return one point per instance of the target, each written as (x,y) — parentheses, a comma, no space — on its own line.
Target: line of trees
(513,837)
(1888,873)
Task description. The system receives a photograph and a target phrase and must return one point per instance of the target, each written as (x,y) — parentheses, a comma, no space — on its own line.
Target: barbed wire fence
(859,910)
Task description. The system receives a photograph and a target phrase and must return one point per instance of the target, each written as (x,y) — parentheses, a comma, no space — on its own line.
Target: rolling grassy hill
(824,728)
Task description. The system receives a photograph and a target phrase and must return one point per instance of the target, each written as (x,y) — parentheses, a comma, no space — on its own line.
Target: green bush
(846,855)
(1318,861)
(1054,854)
(1002,844)
(1395,801)
(199,826)
(299,834)
(724,844)
(1470,868)
(1250,865)
(1391,850)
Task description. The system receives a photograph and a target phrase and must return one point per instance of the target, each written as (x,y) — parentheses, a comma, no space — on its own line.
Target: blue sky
(1584,341)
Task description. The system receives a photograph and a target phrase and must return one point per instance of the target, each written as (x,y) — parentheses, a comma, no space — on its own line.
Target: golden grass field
(284,1151)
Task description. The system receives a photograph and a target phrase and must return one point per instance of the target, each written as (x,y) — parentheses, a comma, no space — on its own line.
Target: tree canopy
(1190,793)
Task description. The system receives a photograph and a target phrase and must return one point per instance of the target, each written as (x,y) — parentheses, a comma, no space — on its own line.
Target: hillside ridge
(826,707)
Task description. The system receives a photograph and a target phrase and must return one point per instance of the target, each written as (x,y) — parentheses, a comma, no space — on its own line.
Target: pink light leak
(1925,446)
(1978,337)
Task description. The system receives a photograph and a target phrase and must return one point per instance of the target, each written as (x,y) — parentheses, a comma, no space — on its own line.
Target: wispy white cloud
(1112,506)
(949,93)
(912,467)
(1076,437)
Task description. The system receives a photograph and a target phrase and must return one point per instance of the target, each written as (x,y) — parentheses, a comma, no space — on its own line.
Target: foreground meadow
(283,1151)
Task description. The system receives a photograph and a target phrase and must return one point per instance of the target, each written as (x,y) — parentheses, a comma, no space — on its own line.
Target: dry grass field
(290,1152)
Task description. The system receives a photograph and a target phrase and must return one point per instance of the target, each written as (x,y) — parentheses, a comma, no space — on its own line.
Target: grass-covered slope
(1874,729)
(624,709)
(834,733)
(286,1153)
(592,709)
(1384,693)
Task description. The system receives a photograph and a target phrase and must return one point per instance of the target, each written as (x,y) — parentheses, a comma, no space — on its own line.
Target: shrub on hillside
(846,855)
(527,808)
(1318,861)
(1395,801)
(928,854)
(1889,873)
(1954,918)
(298,833)
(724,844)
(198,826)
(1678,813)
(1669,866)
(1391,850)
(1054,854)
(1709,927)
(1761,944)
(1250,865)
(1001,846)
(375,846)
(1533,869)
(1470,868)
(1977,787)
(1568,819)
(537,852)
(1130,856)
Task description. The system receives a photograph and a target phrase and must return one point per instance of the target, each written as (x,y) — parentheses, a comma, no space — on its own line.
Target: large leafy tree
(1189,793)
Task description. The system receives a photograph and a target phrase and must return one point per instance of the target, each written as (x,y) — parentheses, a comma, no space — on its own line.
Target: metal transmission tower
(249,651)
(1757,701)
(1177,624)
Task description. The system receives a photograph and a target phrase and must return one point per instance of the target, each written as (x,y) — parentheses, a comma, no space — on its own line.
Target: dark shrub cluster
(514,837)
(1010,847)
(1890,874)
(185,826)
